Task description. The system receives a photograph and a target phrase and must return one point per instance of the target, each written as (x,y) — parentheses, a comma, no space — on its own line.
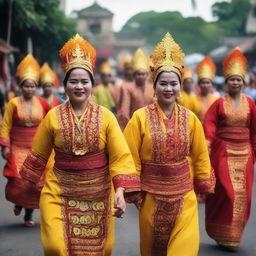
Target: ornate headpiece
(127,61)
(140,60)
(167,56)
(105,68)
(28,68)
(187,73)
(235,64)
(206,69)
(78,53)
(46,74)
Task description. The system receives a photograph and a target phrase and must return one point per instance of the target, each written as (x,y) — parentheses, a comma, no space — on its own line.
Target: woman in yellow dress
(206,70)
(166,140)
(90,150)
(21,119)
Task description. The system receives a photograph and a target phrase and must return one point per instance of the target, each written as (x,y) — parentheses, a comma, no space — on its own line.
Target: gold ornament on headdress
(235,64)
(167,56)
(187,73)
(46,74)
(105,68)
(28,68)
(206,69)
(127,61)
(78,53)
(140,61)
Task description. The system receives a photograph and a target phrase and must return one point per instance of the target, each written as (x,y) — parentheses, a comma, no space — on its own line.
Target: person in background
(22,116)
(106,93)
(47,79)
(139,93)
(127,70)
(91,154)
(187,98)
(163,137)
(206,70)
(230,130)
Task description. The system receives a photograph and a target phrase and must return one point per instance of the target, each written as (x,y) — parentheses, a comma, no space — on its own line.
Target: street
(16,240)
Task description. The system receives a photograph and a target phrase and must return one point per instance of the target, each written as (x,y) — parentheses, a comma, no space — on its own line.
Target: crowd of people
(154,139)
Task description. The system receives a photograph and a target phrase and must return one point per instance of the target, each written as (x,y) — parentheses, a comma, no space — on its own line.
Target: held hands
(6,152)
(119,203)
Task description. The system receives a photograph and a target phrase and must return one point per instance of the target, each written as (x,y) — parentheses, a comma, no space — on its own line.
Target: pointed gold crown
(28,68)
(140,60)
(206,69)
(46,74)
(167,56)
(78,53)
(187,73)
(105,68)
(235,64)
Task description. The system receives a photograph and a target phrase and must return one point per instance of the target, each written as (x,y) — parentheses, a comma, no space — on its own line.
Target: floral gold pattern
(80,136)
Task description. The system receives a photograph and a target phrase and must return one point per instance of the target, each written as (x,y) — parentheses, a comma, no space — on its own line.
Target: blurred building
(95,23)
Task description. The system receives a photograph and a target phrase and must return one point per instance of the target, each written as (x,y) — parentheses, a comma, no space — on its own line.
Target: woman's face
(235,84)
(167,88)
(205,86)
(28,89)
(48,88)
(79,86)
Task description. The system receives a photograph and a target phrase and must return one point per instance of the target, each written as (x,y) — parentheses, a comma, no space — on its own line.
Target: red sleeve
(56,101)
(252,124)
(211,122)
(44,104)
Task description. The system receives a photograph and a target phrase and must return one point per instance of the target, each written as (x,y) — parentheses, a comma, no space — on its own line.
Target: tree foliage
(41,20)
(232,16)
(193,33)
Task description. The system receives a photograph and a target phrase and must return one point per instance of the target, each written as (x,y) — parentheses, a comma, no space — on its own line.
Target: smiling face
(78,86)
(167,88)
(28,89)
(235,84)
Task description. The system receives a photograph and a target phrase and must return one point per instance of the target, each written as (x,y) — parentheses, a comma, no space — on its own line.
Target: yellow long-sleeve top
(159,141)
(95,131)
(189,102)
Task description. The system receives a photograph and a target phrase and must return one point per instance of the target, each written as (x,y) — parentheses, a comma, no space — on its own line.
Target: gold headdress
(187,73)
(140,60)
(206,69)
(78,53)
(105,68)
(167,56)
(235,64)
(46,74)
(28,68)
(127,61)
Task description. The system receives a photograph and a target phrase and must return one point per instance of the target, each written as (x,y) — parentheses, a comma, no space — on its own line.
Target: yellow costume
(205,69)
(162,150)
(75,203)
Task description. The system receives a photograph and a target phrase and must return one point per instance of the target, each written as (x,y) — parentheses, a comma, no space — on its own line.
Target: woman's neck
(79,108)
(167,108)
(235,96)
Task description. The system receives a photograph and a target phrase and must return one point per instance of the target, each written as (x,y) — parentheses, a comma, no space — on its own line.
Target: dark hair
(21,83)
(154,85)
(69,72)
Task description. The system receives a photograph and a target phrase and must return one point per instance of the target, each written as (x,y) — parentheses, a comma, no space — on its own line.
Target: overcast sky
(125,9)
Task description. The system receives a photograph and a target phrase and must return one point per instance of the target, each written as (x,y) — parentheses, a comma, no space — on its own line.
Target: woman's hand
(119,203)
(6,152)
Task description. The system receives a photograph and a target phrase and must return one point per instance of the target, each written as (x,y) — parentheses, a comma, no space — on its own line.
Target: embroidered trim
(83,136)
(236,117)
(129,182)
(205,185)
(164,219)
(172,144)
(33,167)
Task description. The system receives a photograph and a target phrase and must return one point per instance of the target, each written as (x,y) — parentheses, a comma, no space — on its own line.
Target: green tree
(193,33)
(232,16)
(41,20)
